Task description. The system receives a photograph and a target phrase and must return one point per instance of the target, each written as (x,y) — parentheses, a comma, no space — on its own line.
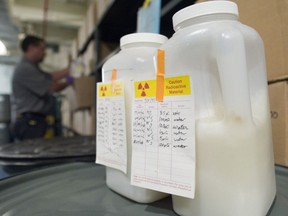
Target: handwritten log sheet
(163,137)
(111,128)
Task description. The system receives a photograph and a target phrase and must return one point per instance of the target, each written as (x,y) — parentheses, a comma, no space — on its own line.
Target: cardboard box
(278,95)
(270,20)
(82,94)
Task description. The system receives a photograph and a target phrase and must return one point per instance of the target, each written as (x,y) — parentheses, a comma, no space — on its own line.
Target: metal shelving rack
(120,19)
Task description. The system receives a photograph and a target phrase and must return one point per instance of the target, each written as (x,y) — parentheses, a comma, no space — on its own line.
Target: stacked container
(234,156)
(133,62)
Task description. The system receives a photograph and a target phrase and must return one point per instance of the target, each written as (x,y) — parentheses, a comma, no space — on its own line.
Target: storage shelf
(121,19)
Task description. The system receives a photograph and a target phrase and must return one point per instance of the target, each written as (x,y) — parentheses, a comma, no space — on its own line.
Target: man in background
(32,90)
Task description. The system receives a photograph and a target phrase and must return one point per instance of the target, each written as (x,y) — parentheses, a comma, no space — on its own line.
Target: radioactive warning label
(173,86)
(163,136)
(109,89)
(111,146)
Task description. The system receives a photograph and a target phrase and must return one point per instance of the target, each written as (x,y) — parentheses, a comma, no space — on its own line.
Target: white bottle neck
(142,44)
(205,19)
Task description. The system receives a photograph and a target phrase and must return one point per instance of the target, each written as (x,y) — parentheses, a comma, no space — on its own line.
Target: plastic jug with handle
(133,62)
(234,156)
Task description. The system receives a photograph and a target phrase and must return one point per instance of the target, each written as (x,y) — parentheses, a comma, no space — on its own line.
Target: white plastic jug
(133,62)
(234,156)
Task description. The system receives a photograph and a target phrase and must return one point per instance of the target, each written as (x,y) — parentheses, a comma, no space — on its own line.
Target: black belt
(31,114)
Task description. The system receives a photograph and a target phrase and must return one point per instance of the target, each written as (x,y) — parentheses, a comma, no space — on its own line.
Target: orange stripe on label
(113,78)
(160,75)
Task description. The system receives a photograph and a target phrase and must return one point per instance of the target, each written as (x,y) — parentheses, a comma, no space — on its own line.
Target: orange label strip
(113,78)
(160,75)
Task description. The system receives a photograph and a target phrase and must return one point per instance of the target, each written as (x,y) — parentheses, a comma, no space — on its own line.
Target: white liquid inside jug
(233,159)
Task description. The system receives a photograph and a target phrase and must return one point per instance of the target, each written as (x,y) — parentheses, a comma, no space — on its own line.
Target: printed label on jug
(111,128)
(163,137)
(176,86)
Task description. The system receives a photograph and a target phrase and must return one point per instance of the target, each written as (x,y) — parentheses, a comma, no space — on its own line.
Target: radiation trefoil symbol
(143,88)
(103,89)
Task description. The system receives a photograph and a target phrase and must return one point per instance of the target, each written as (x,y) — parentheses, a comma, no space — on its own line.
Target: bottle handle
(232,66)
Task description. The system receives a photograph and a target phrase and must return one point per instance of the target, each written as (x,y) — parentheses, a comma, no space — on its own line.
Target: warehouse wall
(83,121)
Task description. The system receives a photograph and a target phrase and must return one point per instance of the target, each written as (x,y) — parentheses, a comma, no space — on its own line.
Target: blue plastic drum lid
(80,189)
(48,151)
(5,113)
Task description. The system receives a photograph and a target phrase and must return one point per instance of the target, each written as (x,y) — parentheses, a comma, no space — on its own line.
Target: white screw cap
(142,38)
(205,8)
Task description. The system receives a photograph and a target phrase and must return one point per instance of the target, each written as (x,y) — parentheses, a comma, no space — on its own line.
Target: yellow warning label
(146,88)
(173,86)
(177,86)
(105,89)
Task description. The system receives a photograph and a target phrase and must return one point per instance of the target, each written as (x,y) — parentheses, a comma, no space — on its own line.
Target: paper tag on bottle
(111,149)
(163,137)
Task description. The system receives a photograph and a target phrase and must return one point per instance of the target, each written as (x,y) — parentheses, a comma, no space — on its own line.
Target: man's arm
(57,86)
(60,74)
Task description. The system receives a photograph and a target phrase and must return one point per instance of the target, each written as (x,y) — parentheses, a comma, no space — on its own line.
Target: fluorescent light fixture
(3,49)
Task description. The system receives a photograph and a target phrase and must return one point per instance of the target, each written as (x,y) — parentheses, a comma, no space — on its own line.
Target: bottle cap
(142,38)
(205,8)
